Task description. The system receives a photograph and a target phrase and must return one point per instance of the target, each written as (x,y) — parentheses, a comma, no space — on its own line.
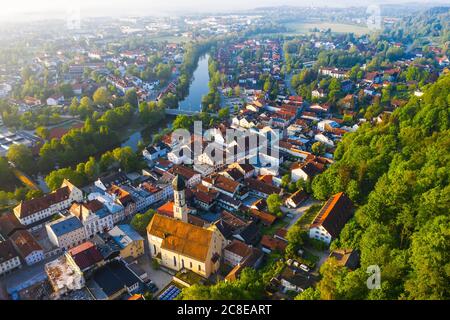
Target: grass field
(301,27)
(308,217)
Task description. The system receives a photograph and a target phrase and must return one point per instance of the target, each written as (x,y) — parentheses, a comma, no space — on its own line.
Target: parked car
(304,267)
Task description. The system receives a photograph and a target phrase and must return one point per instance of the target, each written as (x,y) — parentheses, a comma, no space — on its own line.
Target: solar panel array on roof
(171,293)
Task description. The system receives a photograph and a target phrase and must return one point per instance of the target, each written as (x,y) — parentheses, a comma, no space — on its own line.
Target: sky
(28,9)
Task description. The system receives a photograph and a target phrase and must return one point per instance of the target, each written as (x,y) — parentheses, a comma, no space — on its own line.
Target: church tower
(180,209)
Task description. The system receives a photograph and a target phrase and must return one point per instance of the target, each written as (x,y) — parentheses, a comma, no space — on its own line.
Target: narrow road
(300,211)
(26,180)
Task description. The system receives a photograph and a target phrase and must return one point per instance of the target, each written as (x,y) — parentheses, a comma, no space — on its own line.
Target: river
(198,87)
(193,102)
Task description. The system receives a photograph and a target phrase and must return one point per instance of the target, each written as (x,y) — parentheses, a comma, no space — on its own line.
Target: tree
(56,178)
(141,220)
(101,96)
(6,174)
(318,148)
(430,260)
(274,203)
(126,158)
(42,132)
(66,90)
(20,194)
(249,286)
(182,122)
(22,157)
(151,114)
(131,97)
(91,168)
(308,294)
(148,295)
(285,180)
(392,171)
(224,113)
(31,194)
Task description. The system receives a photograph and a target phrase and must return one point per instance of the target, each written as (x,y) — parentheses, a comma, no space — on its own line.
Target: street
(300,211)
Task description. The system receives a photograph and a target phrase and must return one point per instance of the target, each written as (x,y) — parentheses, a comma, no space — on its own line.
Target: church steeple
(180,209)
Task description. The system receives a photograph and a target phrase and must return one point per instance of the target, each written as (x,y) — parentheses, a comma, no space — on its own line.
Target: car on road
(304,267)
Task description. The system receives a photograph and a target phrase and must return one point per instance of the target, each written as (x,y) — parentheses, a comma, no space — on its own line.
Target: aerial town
(100,201)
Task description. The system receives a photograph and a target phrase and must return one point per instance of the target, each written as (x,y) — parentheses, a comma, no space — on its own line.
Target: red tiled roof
(239,248)
(272,243)
(183,171)
(265,217)
(25,243)
(261,186)
(166,209)
(29,207)
(334,214)
(58,133)
(86,255)
(8,224)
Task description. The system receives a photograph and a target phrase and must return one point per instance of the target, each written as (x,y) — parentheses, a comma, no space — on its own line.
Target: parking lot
(159,277)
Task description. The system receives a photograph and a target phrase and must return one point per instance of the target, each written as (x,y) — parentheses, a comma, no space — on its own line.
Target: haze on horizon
(19,10)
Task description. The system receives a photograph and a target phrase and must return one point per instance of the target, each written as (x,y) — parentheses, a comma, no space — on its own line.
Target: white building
(330,220)
(235,252)
(28,248)
(326,125)
(152,153)
(324,139)
(66,232)
(35,210)
(109,201)
(9,258)
(94,216)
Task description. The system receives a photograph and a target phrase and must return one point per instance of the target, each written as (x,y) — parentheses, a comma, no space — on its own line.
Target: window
(199,267)
(154,249)
(191,264)
(174,261)
(182,263)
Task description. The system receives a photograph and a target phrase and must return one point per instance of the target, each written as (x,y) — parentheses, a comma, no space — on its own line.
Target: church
(177,244)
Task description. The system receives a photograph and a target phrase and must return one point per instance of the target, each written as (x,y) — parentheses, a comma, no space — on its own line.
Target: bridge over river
(175,112)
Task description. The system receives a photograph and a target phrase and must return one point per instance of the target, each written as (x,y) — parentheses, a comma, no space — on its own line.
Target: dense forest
(398,172)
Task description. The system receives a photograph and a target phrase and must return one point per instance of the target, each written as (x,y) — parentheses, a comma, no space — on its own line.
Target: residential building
(9,257)
(93,215)
(306,170)
(296,199)
(86,256)
(260,188)
(9,224)
(191,177)
(112,281)
(34,212)
(331,218)
(130,242)
(346,257)
(236,252)
(66,232)
(293,279)
(28,248)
